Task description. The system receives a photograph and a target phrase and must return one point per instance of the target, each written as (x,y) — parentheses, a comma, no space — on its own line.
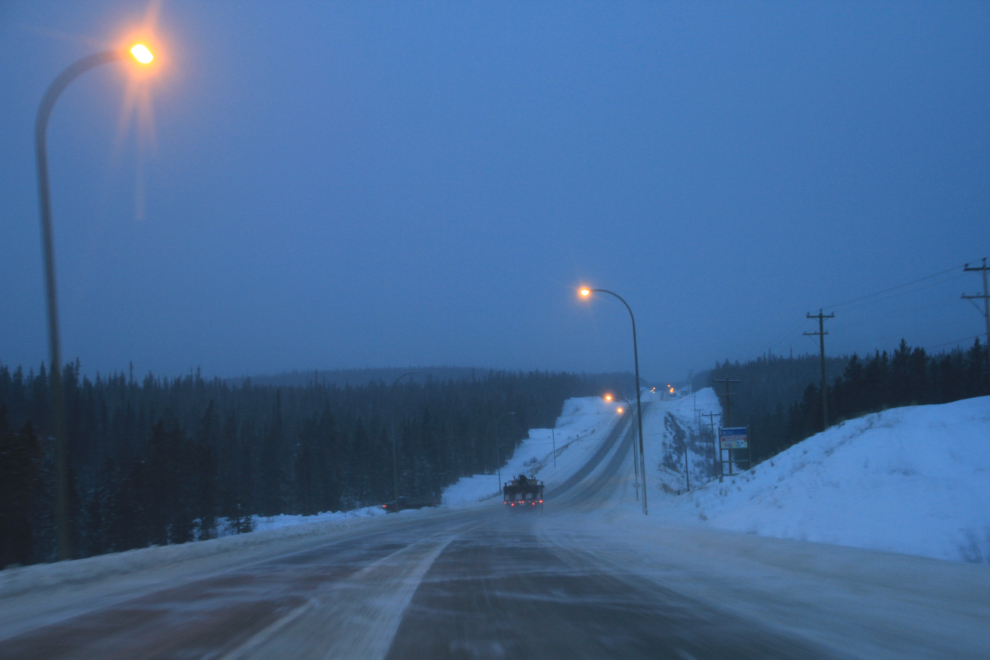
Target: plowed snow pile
(914,480)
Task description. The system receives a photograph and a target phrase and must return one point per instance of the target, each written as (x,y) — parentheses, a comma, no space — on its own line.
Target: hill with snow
(913,480)
(582,424)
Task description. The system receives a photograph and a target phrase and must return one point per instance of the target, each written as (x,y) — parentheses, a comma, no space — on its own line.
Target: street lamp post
(498,449)
(143,55)
(395,462)
(609,397)
(586,293)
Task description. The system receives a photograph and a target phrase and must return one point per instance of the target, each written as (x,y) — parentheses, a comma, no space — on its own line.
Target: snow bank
(263,523)
(18,580)
(583,422)
(913,480)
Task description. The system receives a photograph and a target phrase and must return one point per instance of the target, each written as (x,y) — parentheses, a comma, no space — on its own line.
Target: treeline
(780,399)
(162,460)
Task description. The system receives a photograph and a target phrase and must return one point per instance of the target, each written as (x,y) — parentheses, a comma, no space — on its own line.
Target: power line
(922,308)
(895,295)
(789,333)
(784,335)
(957,341)
(894,288)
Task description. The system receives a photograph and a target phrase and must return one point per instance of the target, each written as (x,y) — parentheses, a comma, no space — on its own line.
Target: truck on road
(522,492)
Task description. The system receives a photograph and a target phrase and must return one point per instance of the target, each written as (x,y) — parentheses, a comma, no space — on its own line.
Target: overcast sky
(323,185)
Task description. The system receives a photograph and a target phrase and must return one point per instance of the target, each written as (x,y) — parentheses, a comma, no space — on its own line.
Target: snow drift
(913,480)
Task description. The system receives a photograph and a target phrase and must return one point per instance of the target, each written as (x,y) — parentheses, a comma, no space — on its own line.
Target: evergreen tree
(20,459)
(271,465)
(150,461)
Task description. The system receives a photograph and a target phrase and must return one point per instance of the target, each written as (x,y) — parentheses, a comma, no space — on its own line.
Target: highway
(571,581)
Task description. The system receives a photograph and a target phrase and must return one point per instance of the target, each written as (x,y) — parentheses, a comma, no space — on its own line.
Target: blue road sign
(733,438)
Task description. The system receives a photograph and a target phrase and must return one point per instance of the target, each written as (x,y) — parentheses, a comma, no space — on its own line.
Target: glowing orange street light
(619,410)
(585,292)
(608,397)
(143,55)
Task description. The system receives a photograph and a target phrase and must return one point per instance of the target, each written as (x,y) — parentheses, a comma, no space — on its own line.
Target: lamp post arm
(41,150)
(65,78)
(48,249)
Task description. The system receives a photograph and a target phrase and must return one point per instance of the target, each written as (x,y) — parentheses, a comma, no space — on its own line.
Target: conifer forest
(780,400)
(162,460)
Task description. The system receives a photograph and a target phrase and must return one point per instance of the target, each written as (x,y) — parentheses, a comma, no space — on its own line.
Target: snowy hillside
(583,422)
(913,480)
(669,425)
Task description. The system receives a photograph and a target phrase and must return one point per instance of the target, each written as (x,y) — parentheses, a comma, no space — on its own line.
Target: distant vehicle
(523,492)
(404,503)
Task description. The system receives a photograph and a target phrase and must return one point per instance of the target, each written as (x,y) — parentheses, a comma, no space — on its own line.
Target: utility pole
(728,400)
(715,457)
(498,450)
(687,471)
(728,421)
(986,306)
(821,335)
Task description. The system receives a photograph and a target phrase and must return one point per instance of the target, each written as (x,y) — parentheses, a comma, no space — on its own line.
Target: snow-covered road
(584,578)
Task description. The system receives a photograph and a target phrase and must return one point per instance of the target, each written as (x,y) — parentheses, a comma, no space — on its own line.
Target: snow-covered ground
(914,480)
(669,424)
(263,523)
(582,424)
(269,531)
(910,480)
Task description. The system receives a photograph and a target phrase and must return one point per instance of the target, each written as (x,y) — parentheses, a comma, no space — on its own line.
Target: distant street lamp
(498,449)
(609,397)
(395,463)
(144,56)
(585,292)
